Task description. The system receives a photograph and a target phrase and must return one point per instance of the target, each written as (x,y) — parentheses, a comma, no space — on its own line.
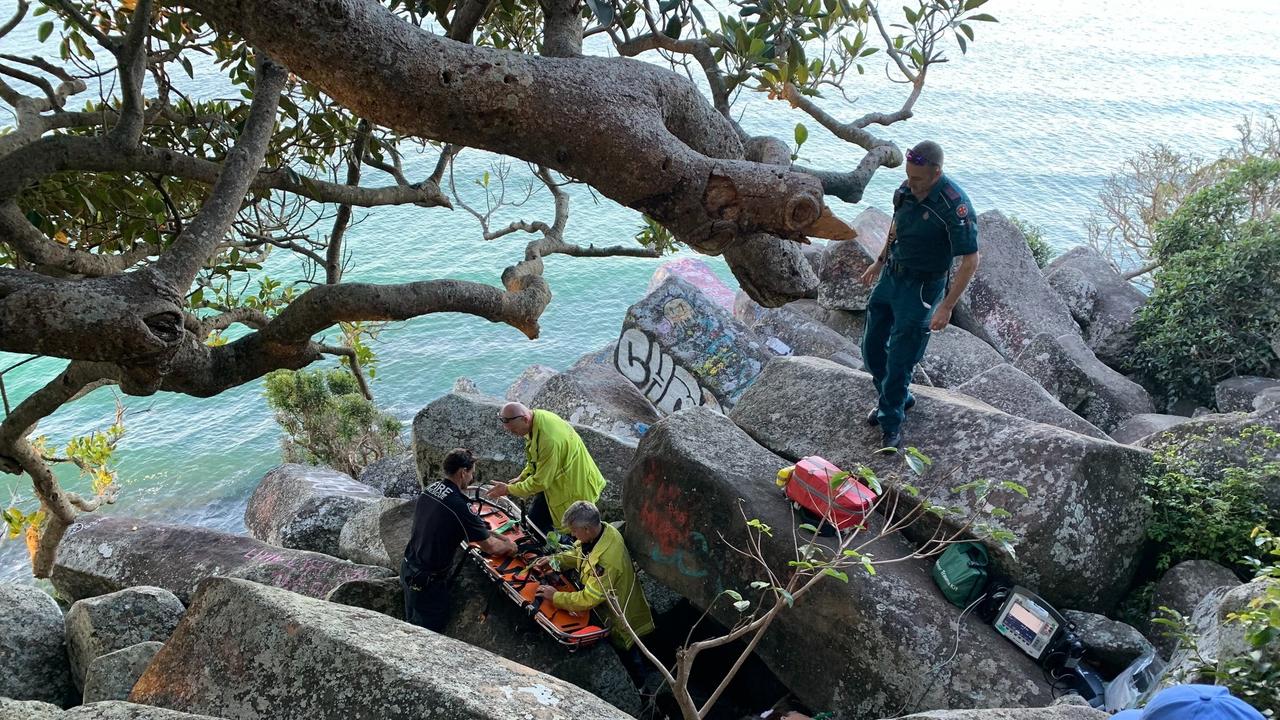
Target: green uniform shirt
(607,569)
(929,232)
(557,465)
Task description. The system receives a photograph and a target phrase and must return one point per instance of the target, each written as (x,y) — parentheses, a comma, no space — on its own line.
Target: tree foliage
(137,217)
(1215,309)
(328,421)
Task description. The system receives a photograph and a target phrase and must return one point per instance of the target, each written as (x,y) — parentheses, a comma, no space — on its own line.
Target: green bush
(1213,313)
(1201,510)
(1034,234)
(328,421)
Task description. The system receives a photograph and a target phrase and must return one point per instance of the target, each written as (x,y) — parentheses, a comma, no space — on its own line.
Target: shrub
(327,421)
(1203,511)
(1034,234)
(1214,311)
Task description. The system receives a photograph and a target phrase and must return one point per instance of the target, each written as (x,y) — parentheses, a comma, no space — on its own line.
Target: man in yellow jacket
(604,565)
(558,469)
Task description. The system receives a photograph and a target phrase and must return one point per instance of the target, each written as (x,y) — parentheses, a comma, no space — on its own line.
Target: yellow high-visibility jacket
(558,465)
(607,568)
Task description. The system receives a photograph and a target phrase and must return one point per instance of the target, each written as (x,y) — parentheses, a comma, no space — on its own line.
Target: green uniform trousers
(896,335)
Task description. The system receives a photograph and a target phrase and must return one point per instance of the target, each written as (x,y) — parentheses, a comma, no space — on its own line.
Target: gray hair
(582,515)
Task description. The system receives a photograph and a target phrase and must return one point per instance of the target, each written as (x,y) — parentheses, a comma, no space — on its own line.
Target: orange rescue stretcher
(574,630)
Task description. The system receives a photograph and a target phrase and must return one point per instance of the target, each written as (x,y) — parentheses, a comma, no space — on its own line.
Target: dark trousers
(897,333)
(540,514)
(426,597)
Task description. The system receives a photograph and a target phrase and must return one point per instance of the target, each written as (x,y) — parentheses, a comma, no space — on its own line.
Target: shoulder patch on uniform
(962,210)
(951,192)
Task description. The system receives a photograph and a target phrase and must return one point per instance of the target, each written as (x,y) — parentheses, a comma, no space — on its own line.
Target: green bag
(961,573)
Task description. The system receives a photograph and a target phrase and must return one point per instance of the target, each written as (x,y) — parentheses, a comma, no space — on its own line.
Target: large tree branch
(643,136)
(42,252)
(132,56)
(700,50)
(200,238)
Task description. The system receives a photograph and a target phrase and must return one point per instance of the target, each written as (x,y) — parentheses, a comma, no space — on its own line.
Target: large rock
(1235,440)
(1110,645)
(106,623)
(382,595)
(117,710)
(107,553)
(1076,291)
(1089,388)
(955,356)
(33,655)
(1078,532)
(1134,429)
(696,471)
(303,507)
(112,676)
(872,226)
(312,660)
(1007,388)
(599,397)
(1009,301)
(527,384)
(683,349)
(472,421)
(378,534)
(1238,394)
(394,477)
(1063,711)
(1182,588)
(697,273)
(852,325)
(788,331)
(1109,326)
(1218,640)
(11,709)
(842,288)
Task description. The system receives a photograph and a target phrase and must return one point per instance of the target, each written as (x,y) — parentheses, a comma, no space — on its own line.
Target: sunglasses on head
(916,158)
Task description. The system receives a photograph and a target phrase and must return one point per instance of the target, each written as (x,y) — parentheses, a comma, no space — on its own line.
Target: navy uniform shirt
(441,520)
(930,232)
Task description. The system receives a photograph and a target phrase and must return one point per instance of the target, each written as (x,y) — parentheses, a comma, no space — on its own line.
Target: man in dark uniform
(441,520)
(933,222)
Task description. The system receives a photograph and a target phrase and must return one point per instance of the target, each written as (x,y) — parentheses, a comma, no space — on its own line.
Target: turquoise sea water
(1046,105)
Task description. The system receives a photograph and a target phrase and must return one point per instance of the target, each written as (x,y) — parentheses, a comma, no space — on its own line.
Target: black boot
(873,418)
(891,440)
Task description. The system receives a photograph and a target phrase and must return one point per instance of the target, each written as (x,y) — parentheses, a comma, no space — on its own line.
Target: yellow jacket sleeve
(591,594)
(540,467)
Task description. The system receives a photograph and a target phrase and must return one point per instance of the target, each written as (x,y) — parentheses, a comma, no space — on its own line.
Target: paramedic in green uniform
(933,222)
(558,469)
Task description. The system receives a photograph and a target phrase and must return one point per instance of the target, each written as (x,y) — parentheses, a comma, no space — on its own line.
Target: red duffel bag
(844,506)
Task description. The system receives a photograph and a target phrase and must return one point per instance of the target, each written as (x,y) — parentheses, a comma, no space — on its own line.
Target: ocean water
(1044,107)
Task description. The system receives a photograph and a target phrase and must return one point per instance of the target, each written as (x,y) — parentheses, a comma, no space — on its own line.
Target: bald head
(516,418)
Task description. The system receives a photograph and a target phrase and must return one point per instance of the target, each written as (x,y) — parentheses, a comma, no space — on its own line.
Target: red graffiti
(664,516)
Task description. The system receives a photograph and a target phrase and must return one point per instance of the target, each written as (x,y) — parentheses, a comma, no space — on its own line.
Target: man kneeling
(605,568)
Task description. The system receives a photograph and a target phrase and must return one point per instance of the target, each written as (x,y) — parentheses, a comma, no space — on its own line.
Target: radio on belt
(1029,622)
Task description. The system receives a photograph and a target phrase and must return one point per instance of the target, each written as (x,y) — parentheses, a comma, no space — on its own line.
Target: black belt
(901,270)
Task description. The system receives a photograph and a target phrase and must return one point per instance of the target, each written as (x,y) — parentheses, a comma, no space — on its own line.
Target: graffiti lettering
(668,386)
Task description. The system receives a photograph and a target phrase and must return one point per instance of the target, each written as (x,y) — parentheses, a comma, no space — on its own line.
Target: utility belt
(427,577)
(907,273)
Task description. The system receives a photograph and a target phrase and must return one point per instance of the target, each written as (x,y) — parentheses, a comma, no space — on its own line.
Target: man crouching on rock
(604,565)
(933,222)
(441,519)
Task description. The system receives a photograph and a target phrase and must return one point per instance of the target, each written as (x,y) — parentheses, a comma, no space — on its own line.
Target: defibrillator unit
(1029,622)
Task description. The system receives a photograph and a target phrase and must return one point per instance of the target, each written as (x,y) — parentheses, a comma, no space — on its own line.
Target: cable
(933,675)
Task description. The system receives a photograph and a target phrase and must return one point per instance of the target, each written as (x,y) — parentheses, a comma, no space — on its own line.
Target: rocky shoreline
(690,415)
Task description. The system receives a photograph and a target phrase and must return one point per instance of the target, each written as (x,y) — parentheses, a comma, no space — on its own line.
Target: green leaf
(673,28)
(802,134)
(866,565)
(916,464)
(808,528)
(973,4)
(1011,485)
(46,29)
(742,605)
(842,577)
(733,594)
(759,585)
(603,10)
(788,597)
(983,17)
